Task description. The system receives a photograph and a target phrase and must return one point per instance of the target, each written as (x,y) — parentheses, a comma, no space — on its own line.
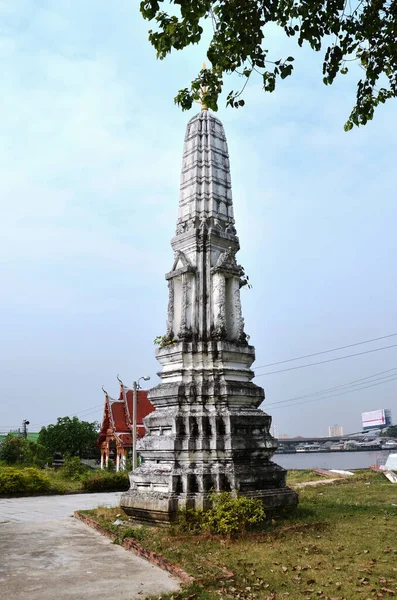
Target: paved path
(45,554)
(37,508)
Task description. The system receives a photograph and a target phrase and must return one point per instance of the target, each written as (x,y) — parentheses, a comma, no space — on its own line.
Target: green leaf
(366,31)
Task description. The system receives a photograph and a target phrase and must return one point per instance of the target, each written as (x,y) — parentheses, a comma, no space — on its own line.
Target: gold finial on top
(203,91)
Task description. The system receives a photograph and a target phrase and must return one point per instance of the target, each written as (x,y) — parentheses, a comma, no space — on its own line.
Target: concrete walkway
(45,554)
(39,508)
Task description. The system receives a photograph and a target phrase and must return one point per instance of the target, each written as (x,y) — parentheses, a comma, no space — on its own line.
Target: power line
(84,412)
(321,362)
(338,387)
(333,395)
(281,362)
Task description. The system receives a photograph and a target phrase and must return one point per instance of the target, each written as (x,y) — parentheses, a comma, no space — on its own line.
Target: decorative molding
(227,262)
(170,312)
(186,265)
(230,228)
(180,256)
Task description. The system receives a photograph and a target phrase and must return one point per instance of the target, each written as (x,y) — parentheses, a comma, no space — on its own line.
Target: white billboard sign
(374,418)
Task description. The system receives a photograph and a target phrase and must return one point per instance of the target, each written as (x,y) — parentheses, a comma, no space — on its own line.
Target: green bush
(15,450)
(29,480)
(229,515)
(105,481)
(72,468)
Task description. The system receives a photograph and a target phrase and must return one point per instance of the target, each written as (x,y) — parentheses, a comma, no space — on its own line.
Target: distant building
(274,431)
(115,436)
(283,436)
(376,419)
(335,430)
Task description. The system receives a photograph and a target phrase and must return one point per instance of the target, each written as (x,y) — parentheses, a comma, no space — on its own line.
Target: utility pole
(134,409)
(25,423)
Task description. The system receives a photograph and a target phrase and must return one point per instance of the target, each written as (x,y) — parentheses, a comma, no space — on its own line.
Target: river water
(332,460)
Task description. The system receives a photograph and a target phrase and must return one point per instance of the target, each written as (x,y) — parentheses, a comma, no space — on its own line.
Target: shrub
(15,450)
(228,515)
(103,481)
(29,480)
(72,468)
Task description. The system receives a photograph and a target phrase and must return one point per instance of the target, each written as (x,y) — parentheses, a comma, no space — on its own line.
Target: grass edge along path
(129,543)
(341,544)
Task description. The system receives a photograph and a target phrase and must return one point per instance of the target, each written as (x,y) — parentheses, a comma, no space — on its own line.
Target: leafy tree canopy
(348,30)
(391,431)
(15,450)
(70,436)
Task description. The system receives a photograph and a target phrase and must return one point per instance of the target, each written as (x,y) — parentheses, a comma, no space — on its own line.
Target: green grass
(340,543)
(300,476)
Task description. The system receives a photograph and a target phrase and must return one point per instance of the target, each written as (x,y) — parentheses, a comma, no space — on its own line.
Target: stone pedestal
(207,432)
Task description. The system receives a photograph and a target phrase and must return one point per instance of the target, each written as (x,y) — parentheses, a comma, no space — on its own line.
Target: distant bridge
(318,440)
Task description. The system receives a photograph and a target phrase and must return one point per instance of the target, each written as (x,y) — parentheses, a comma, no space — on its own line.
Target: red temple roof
(117,415)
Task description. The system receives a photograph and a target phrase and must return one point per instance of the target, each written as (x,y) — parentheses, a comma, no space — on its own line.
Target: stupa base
(156,508)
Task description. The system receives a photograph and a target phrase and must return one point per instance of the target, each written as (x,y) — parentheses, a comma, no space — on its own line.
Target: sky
(90,153)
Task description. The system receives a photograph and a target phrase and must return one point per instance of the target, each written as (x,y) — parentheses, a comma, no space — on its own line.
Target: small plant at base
(230,515)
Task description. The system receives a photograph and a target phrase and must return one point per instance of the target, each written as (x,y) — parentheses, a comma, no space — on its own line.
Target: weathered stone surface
(207,431)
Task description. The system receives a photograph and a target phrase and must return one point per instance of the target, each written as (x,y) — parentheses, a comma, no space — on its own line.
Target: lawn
(300,476)
(341,543)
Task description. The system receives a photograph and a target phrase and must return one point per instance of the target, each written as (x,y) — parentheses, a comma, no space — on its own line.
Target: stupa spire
(205,279)
(205,190)
(207,431)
